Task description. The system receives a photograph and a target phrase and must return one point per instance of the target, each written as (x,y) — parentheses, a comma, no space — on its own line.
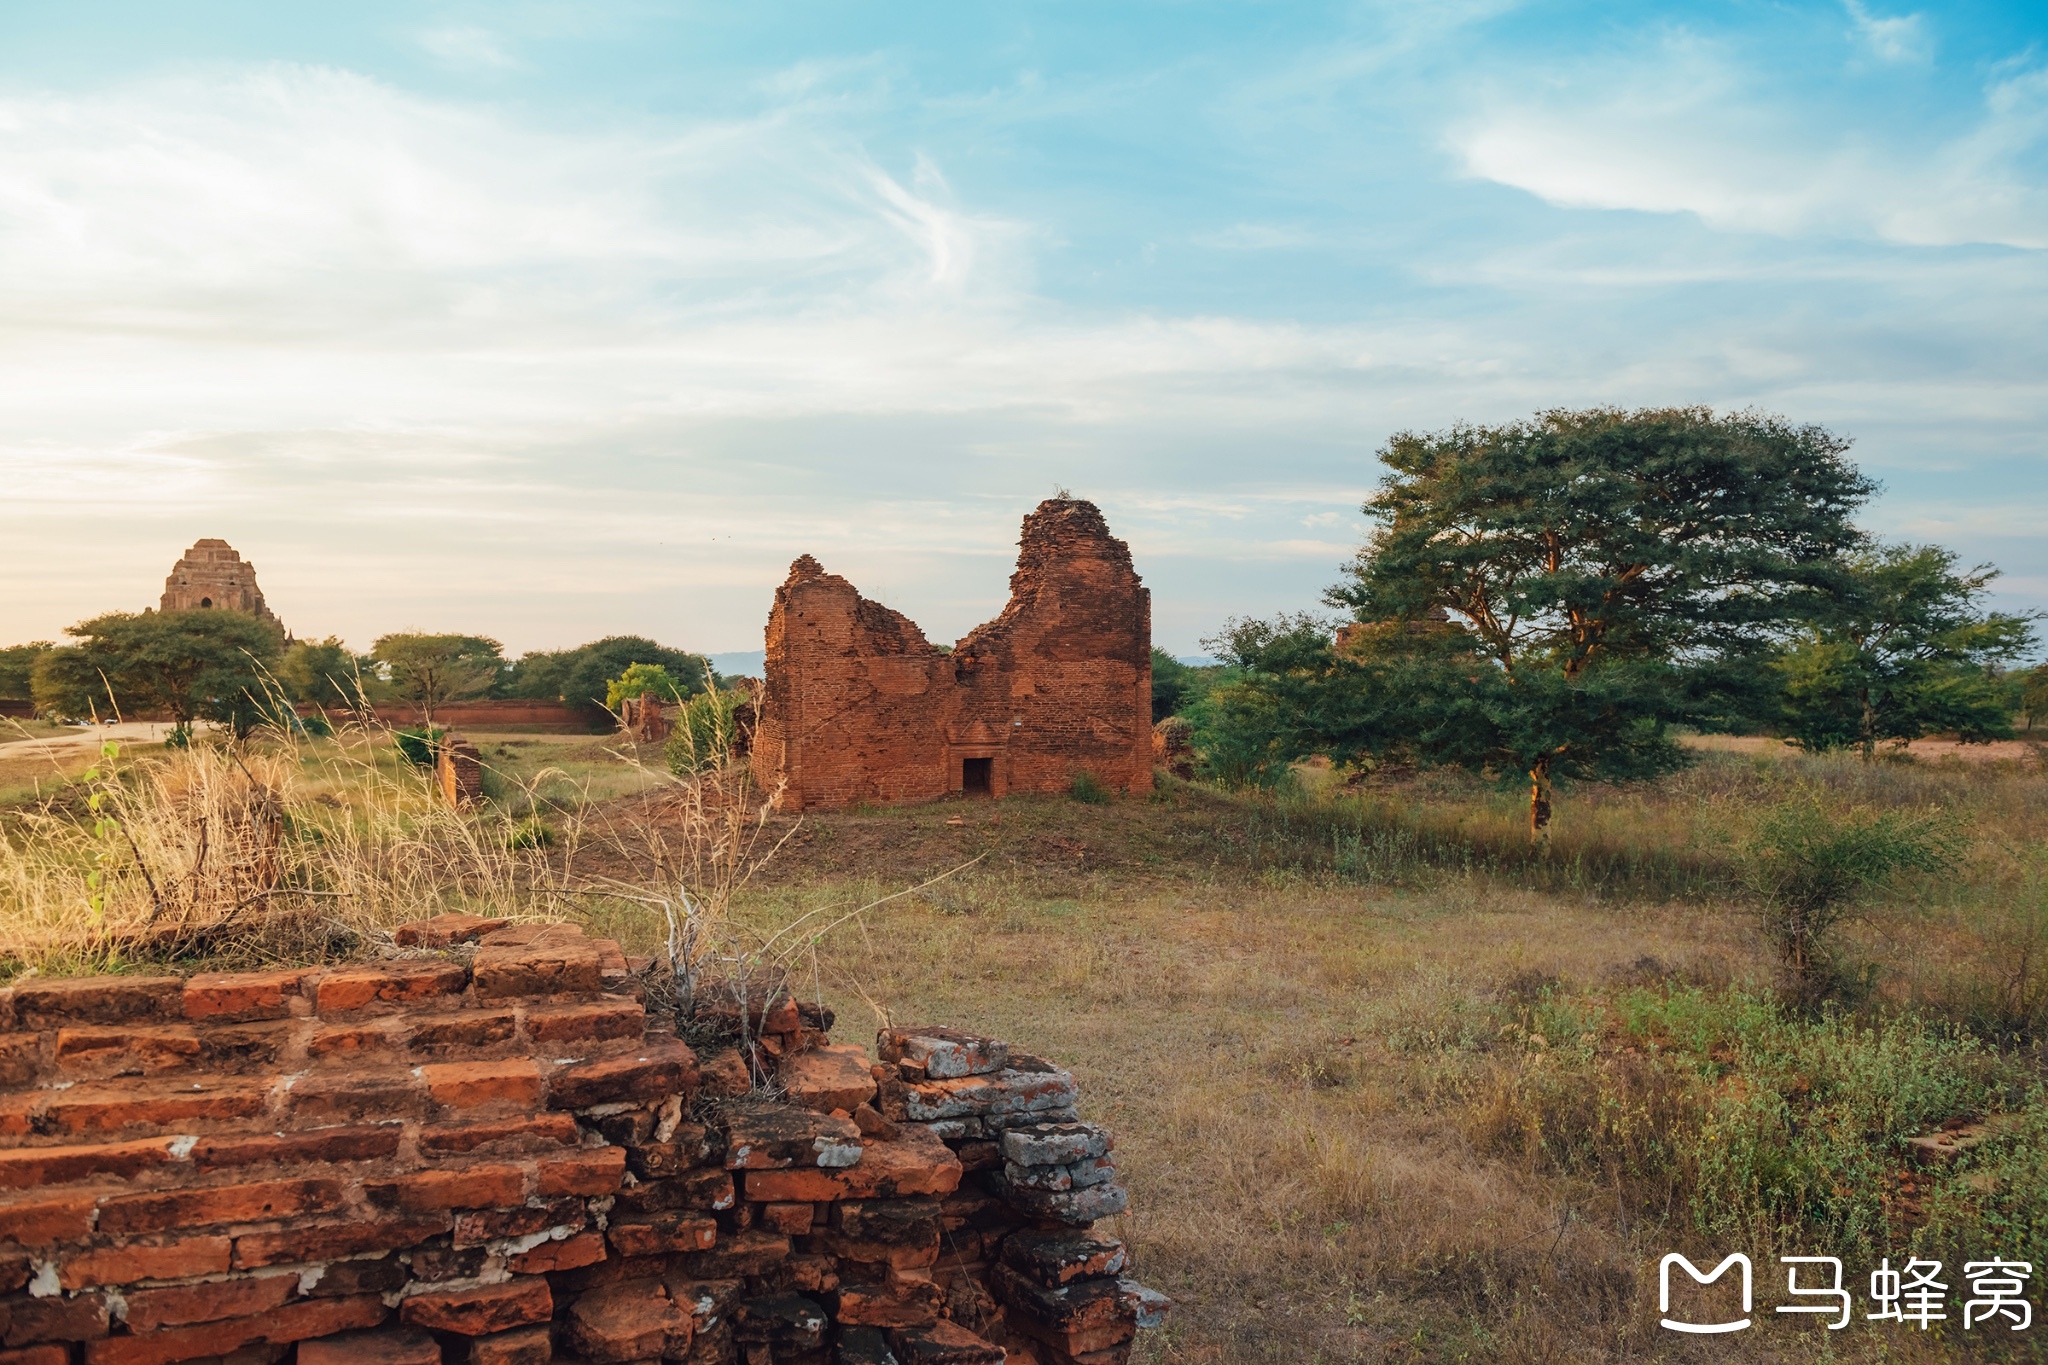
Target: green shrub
(639,679)
(704,731)
(419,744)
(1087,788)
(1810,862)
(532,832)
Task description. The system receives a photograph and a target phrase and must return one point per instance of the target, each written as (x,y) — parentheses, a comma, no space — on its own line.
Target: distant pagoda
(212,575)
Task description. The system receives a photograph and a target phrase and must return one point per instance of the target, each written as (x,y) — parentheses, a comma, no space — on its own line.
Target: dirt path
(83,740)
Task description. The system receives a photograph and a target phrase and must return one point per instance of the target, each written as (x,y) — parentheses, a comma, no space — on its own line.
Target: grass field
(1390,1087)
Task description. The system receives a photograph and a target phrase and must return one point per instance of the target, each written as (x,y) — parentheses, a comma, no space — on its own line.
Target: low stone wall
(492,1154)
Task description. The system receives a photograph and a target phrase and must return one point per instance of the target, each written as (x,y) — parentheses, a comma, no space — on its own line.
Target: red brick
(46,1221)
(916,1163)
(559,964)
(629,1321)
(585,1248)
(368,1143)
(482,1310)
(399,983)
(752,1252)
(231,1047)
(21,1058)
(444,931)
(145,1261)
(522,1346)
(99,1050)
(791,1220)
(254,1250)
(98,1000)
(83,1111)
(345,1042)
(472,1187)
(646,1076)
(488,1225)
(873,1305)
(479,1085)
(57,1318)
(828,1078)
(600,1020)
(354,1096)
(34,1167)
(381,1347)
(537,1132)
(663,1233)
(235,997)
(590,1173)
(293,1322)
(180,1305)
(468,1031)
(264,1202)
(48,1354)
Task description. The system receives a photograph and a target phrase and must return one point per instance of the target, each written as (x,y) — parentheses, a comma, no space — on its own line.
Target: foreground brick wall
(859,706)
(494,1156)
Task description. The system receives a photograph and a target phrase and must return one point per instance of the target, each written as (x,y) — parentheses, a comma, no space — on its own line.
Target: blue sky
(557,320)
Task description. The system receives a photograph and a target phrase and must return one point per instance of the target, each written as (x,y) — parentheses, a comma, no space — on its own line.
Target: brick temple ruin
(498,1151)
(212,574)
(858,706)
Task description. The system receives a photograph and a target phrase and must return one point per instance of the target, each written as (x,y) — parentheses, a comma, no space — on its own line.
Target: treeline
(235,670)
(1551,599)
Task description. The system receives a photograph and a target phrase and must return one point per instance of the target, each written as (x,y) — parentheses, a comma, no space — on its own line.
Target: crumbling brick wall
(494,1155)
(859,706)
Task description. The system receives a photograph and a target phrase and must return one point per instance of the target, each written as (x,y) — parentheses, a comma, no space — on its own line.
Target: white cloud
(1689,133)
(1899,38)
(466,48)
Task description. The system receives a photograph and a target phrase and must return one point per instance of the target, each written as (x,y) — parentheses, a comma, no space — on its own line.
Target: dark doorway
(977,776)
(206,601)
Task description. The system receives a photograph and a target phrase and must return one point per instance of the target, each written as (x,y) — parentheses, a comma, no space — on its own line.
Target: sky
(549,321)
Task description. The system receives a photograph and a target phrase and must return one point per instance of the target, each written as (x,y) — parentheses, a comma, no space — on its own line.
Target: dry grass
(1386,1088)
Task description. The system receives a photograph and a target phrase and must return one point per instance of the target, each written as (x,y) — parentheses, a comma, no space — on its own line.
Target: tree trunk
(1539,802)
(1869,730)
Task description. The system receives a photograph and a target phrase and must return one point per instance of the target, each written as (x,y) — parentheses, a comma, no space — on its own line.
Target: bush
(419,745)
(532,832)
(1087,788)
(704,732)
(1809,864)
(639,679)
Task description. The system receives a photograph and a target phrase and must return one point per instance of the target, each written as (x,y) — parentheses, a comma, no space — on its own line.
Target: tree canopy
(17,667)
(1902,648)
(193,665)
(582,676)
(324,673)
(1549,596)
(435,669)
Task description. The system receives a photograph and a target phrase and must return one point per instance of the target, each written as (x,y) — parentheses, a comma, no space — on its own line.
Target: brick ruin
(211,575)
(859,706)
(493,1153)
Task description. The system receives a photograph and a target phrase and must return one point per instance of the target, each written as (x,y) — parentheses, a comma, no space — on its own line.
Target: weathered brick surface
(859,706)
(216,1170)
(485,1309)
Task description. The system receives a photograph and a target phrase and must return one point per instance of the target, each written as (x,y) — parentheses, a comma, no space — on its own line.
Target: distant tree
(639,679)
(2034,693)
(582,676)
(323,673)
(1904,649)
(1536,597)
(17,666)
(433,670)
(195,665)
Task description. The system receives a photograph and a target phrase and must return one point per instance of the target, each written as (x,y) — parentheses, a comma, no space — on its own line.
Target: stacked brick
(490,1153)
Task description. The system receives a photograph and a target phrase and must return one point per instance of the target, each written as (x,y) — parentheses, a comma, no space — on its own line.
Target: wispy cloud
(1896,38)
(1687,130)
(463,47)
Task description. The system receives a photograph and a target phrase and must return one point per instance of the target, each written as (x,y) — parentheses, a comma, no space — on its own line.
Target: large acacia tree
(193,665)
(1547,597)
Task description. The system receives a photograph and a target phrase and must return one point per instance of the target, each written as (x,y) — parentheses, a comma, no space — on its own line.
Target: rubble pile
(492,1153)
